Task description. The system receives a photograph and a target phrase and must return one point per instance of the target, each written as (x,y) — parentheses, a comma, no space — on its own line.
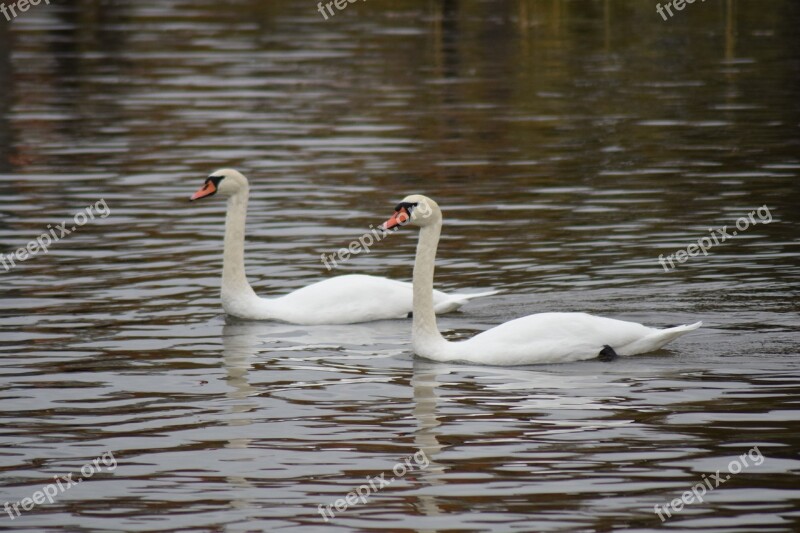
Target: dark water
(569,144)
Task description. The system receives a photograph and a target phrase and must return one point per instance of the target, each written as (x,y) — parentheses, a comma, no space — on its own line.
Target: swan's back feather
(555,338)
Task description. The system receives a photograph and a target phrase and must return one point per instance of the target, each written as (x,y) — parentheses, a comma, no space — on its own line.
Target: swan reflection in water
(500,405)
(444,395)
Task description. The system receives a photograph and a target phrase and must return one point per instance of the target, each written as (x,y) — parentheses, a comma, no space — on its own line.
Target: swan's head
(418,209)
(226,182)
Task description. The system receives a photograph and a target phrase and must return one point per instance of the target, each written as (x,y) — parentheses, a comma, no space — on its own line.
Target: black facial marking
(215,180)
(408,206)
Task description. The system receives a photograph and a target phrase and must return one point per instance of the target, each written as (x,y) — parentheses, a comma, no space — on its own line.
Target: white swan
(339,300)
(540,338)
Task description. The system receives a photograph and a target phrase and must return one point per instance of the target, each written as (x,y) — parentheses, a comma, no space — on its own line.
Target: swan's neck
(234,279)
(425,334)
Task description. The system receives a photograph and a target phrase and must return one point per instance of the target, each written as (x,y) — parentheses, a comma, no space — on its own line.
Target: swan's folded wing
(348,299)
(566,326)
(548,338)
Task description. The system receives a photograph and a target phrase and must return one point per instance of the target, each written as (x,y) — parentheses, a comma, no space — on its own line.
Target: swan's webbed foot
(607,354)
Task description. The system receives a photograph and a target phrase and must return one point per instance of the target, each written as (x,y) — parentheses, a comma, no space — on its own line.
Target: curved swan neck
(424,331)
(234,279)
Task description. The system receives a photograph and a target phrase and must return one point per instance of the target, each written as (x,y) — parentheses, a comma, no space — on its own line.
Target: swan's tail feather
(457,300)
(467,297)
(659,338)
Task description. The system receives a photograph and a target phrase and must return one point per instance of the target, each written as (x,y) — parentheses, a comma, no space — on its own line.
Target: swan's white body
(540,338)
(340,300)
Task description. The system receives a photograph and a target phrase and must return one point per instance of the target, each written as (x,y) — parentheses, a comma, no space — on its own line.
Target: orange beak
(399,218)
(206,190)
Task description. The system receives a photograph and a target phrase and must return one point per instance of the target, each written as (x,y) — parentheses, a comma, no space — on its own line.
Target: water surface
(570,144)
